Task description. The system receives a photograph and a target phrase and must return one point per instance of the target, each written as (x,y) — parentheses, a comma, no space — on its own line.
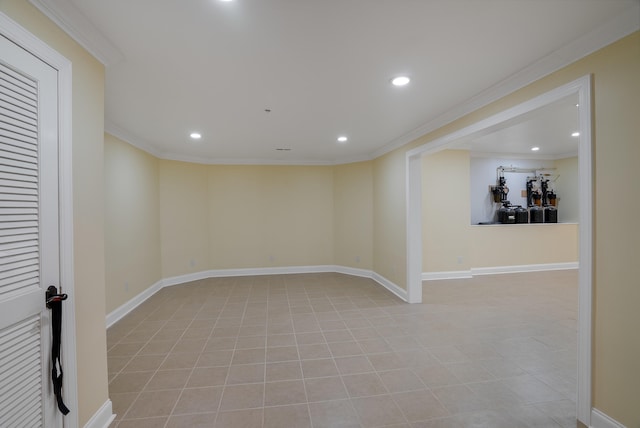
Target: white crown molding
(79,28)
(124,135)
(613,30)
(521,156)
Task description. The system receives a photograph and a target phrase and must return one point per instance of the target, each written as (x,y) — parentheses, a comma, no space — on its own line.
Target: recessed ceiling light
(400,81)
(575,134)
(342,139)
(535,149)
(195,135)
(227,1)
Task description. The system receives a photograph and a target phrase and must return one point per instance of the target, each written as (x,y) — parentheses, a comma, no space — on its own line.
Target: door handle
(52,295)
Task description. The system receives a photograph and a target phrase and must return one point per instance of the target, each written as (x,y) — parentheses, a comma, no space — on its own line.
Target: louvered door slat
(17,111)
(11,148)
(12,141)
(16,286)
(12,118)
(20,386)
(17,94)
(18,80)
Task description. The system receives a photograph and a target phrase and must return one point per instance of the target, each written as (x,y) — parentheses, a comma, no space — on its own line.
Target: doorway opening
(582,89)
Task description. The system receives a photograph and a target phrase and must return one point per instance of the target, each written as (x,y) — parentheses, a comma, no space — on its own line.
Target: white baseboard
(523,268)
(457,274)
(102,418)
(600,420)
(465,274)
(400,292)
(220,273)
(121,311)
(117,314)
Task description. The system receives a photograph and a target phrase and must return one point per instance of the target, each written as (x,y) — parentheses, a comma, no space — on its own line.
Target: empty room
(244,213)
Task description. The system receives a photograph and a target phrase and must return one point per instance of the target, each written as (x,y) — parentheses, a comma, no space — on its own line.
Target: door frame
(581,87)
(23,38)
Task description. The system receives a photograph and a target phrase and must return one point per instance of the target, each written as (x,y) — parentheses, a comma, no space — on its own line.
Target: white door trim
(581,87)
(20,36)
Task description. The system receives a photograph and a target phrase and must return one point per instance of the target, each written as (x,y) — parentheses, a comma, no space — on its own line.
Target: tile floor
(330,350)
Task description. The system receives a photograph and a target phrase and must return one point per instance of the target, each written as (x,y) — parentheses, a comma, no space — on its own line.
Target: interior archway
(581,88)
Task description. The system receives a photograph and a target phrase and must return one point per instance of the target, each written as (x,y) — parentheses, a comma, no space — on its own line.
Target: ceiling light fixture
(535,149)
(342,139)
(575,134)
(195,135)
(400,81)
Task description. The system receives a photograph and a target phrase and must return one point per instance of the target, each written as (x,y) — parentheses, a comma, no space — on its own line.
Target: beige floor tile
(362,385)
(251,342)
(154,403)
(180,361)
(276,340)
(330,414)
(198,400)
(319,368)
(314,351)
(248,356)
(436,376)
(401,380)
(248,373)
(309,338)
(143,363)
(143,423)
(284,393)
(251,418)
(215,358)
(496,351)
(353,365)
(200,420)
(386,361)
(130,382)
(325,389)
(120,402)
(207,376)
(378,411)
(282,353)
(420,405)
(168,379)
(287,416)
(237,397)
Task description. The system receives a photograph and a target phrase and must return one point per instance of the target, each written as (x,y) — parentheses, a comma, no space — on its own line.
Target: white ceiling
(549,128)
(321,66)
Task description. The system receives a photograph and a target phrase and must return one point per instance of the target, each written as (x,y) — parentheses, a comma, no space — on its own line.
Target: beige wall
(132,221)
(446,244)
(523,244)
(88,204)
(450,243)
(353,215)
(184,218)
(389,218)
(263,216)
(616,91)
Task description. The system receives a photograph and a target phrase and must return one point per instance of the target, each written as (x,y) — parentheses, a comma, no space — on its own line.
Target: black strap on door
(54,302)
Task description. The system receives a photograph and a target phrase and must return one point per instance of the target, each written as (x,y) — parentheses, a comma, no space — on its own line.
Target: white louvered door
(29,252)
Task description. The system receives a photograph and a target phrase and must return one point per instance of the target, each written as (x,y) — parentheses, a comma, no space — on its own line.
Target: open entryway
(581,88)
